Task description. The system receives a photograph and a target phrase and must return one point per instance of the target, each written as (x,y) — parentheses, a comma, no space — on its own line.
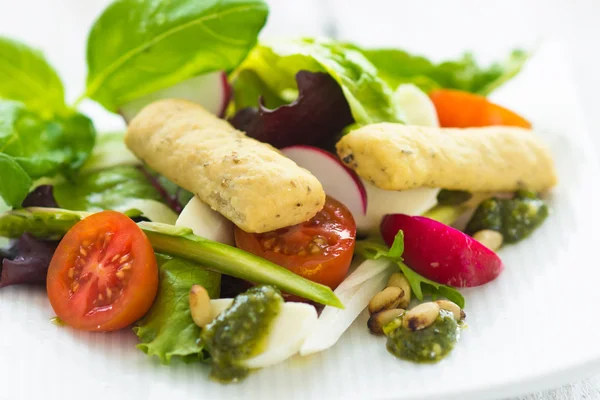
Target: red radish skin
(212,91)
(339,181)
(442,253)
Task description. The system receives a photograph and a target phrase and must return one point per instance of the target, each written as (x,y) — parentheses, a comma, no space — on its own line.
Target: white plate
(533,327)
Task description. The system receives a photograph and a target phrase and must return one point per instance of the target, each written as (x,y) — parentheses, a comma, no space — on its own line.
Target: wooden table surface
(439,28)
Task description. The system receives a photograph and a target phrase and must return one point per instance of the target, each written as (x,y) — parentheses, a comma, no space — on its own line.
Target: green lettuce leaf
(271,67)
(168,330)
(119,188)
(137,47)
(15,182)
(32,147)
(397,67)
(375,249)
(109,151)
(26,76)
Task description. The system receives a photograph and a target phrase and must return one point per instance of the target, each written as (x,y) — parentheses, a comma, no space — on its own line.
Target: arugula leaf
(273,66)
(137,47)
(168,329)
(27,77)
(375,249)
(397,67)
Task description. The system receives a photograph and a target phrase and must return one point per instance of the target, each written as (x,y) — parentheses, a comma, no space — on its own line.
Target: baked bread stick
(400,157)
(247,181)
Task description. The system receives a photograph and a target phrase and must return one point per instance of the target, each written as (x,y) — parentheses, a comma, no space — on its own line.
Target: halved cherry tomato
(103,275)
(319,249)
(457,109)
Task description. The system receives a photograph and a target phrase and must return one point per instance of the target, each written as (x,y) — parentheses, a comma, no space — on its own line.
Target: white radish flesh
(212,91)
(338,181)
(288,331)
(206,222)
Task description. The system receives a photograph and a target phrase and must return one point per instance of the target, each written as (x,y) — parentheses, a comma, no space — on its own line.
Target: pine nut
(452,307)
(489,238)
(421,316)
(200,306)
(399,280)
(386,299)
(378,320)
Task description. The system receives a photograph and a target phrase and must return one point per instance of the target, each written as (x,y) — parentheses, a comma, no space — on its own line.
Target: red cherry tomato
(319,249)
(103,275)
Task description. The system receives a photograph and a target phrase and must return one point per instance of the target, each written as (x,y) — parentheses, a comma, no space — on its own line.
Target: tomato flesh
(103,275)
(319,249)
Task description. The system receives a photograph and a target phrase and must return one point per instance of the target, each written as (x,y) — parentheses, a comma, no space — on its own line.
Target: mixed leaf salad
(266,192)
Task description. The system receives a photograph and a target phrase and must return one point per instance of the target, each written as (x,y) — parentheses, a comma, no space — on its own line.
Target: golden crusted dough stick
(399,157)
(247,181)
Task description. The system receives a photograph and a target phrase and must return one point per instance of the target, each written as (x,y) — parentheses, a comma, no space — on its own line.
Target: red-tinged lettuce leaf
(41,196)
(27,261)
(315,118)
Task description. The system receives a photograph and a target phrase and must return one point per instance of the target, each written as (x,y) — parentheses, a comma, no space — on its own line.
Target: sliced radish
(212,91)
(338,181)
(382,202)
(288,331)
(442,253)
(206,222)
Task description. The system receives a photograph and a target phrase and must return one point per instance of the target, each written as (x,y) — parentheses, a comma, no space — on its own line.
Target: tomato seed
(125,267)
(114,258)
(120,274)
(83,251)
(71,273)
(108,293)
(124,258)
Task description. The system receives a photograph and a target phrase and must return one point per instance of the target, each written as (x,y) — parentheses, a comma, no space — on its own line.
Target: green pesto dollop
(514,218)
(239,332)
(447,197)
(427,345)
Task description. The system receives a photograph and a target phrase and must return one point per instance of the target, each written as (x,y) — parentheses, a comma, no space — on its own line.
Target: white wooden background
(438,28)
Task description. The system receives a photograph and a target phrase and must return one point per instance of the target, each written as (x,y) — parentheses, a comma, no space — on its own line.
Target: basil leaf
(15,182)
(397,67)
(137,47)
(375,249)
(271,68)
(27,77)
(168,329)
(44,148)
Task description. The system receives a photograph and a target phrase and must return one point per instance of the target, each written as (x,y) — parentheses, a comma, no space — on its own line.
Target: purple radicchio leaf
(28,263)
(315,118)
(41,196)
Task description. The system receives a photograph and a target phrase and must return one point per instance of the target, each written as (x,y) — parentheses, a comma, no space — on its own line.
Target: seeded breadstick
(247,181)
(399,157)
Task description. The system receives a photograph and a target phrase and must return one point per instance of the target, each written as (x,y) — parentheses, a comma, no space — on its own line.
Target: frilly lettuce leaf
(396,67)
(270,70)
(168,330)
